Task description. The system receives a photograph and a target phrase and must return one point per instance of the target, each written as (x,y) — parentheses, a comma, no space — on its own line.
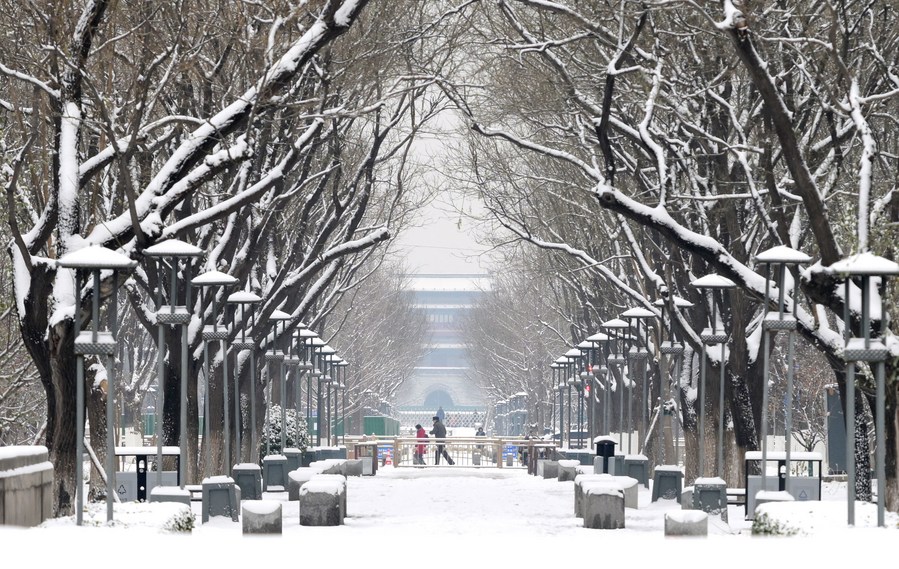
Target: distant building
(440,378)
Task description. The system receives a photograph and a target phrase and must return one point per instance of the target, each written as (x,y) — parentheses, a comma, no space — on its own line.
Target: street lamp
(571,357)
(275,357)
(865,266)
(213,332)
(341,376)
(174,314)
(93,260)
(616,360)
(306,337)
(324,353)
(784,319)
(554,387)
(245,301)
(671,348)
(594,377)
(709,337)
(640,353)
(561,365)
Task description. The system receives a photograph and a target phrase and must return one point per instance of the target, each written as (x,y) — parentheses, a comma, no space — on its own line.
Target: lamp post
(562,366)
(341,377)
(784,319)
(306,337)
(865,267)
(213,332)
(275,357)
(303,369)
(586,377)
(597,377)
(616,360)
(244,301)
(174,314)
(709,337)
(554,387)
(671,350)
(315,343)
(324,353)
(335,386)
(93,260)
(640,353)
(572,356)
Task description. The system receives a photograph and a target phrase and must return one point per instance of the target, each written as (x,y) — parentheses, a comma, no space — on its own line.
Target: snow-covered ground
(451,517)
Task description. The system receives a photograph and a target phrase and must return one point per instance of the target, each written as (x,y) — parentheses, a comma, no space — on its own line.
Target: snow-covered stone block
(170,494)
(261,517)
(296,479)
(567,469)
(274,473)
(548,468)
(248,476)
(320,503)
(692,523)
(603,507)
(353,467)
(221,497)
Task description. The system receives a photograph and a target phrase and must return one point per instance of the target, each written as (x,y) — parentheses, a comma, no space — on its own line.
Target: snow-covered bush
(766,524)
(296,434)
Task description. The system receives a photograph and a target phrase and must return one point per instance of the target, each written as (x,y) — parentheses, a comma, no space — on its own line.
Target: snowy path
(440,517)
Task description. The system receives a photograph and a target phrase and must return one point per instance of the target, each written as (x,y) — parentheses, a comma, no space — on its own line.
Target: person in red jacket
(418,457)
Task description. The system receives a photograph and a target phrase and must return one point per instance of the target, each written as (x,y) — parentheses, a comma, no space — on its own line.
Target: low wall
(26,485)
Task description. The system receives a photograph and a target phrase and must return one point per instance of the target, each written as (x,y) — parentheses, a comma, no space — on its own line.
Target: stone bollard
(603,507)
(353,467)
(170,494)
(710,496)
(583,481)
(248,477)
(548,468)
(567,469)
(296,479)
(320,503)
(261,517)
(26,485)
(637,466)
(667,483)
(686,523)
(342,480)
(274,473)
(221,497)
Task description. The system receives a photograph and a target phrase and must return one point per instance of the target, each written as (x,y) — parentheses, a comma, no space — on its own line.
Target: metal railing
(489,452)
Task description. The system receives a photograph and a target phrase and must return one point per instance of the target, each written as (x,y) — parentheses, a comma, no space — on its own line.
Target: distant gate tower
(441,377)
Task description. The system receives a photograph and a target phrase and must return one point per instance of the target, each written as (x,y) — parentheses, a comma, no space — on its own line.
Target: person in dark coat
(439,432)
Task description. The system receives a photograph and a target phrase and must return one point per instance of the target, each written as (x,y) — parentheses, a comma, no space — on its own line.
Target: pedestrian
(480,433)
(439,432)
(418,457)
(441,414)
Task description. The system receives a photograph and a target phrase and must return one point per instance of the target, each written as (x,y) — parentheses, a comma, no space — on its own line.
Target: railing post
(499,453)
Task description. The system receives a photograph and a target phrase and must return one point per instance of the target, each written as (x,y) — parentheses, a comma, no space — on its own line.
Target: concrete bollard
(261,517)
(221,497)
(248,476)
(567,469)
(296,479)
(548,468)
(170,494)
(320,503)
(603,507)
(686,523)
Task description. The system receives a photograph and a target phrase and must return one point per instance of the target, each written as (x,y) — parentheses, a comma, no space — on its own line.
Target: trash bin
(605,449)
